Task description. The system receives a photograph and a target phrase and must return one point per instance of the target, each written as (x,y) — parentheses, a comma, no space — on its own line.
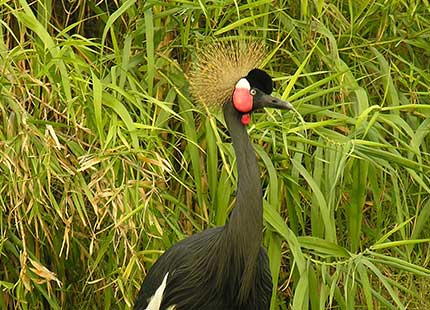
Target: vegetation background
(105,162)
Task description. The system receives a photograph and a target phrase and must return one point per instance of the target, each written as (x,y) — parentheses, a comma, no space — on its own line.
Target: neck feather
(244,230)
(248,208)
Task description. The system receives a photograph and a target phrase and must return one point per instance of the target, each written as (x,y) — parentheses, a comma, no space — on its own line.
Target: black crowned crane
(223,268)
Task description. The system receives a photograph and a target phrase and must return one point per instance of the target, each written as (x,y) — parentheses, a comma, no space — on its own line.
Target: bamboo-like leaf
(122,112)
(322,246)
(392,231)
(150,49)
(98,98)
(239,23)
(401,264)
(364,277)
(398,243)
(358,197)
(422,220)
(117,14)
(301,296)
(192,149)
(275,254)
(325,212)
(281,228)
(384,281)
(296,75)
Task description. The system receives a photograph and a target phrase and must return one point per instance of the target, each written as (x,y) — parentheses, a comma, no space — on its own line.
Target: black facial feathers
(260,79)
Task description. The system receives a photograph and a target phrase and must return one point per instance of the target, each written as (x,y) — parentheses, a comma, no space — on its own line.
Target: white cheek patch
(243,83)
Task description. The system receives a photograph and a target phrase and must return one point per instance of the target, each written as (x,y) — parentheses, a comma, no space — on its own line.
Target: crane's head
(252,92)
(226,73)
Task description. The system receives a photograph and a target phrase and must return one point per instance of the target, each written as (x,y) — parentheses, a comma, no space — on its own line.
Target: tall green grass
(106,162)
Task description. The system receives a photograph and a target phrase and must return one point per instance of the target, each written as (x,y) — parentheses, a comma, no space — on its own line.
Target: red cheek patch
(242,100)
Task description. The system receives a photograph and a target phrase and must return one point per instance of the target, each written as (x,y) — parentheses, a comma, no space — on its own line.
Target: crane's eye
(253,92)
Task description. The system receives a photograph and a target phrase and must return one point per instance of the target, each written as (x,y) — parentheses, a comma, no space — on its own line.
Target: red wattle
(246,118)
(242,100)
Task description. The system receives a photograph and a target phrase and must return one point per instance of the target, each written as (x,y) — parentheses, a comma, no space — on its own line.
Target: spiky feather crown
(218,68)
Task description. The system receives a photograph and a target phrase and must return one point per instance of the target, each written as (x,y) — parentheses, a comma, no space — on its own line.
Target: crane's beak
(262,100)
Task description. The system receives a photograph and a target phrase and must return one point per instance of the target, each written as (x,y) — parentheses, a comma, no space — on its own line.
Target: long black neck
(244,229)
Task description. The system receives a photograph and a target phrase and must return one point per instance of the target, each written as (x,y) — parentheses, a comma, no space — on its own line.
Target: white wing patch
(156,300)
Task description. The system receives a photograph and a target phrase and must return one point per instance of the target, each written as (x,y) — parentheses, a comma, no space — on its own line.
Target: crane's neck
(247,216)
(244,229)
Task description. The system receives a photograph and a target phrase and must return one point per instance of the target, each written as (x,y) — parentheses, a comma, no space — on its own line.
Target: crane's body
(223,268)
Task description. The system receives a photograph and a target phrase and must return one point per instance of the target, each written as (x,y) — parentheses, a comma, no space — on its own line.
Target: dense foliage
(105,161)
